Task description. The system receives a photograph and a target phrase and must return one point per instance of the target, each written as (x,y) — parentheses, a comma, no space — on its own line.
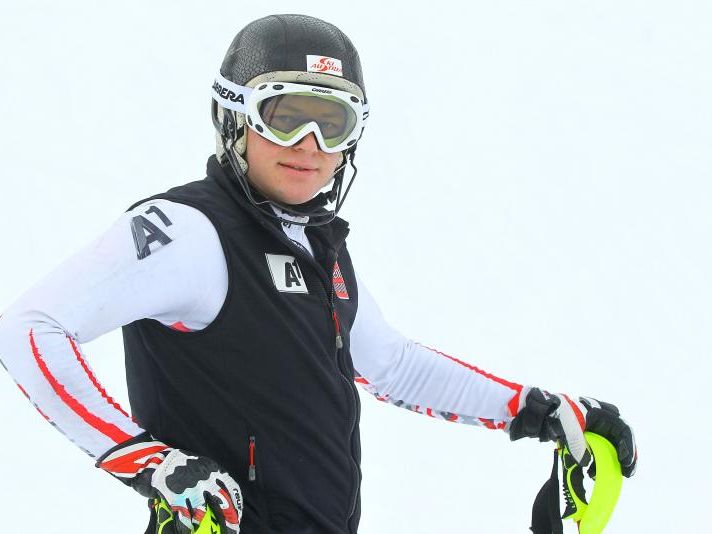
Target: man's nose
(308,143)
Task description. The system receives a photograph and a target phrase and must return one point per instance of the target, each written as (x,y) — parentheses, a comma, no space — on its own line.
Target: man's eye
(285,123)
(329,129)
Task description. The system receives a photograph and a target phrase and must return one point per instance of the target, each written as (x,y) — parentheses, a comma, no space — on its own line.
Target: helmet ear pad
(230,135)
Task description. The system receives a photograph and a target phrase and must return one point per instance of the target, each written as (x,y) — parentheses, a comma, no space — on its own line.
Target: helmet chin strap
(314,208)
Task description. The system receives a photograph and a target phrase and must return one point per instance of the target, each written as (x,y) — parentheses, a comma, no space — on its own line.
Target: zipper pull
(339,341)
(252,472)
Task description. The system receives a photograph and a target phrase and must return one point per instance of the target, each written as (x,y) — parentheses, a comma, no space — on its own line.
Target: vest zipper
(354,398)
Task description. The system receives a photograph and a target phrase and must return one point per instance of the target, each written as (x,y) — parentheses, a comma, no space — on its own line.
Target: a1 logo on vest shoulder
(286,274)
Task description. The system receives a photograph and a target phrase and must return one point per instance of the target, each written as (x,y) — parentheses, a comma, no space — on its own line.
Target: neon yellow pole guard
(593,517)
(208,525)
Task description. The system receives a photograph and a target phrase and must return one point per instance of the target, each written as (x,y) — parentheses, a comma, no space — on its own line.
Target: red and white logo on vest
(327,65)
(339,284)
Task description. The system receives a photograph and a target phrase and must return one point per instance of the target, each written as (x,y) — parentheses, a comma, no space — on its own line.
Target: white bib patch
(286,274)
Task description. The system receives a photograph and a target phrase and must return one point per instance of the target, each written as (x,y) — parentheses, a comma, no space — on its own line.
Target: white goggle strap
(230,95)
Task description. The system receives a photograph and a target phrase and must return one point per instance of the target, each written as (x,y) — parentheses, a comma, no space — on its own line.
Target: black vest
(265,389)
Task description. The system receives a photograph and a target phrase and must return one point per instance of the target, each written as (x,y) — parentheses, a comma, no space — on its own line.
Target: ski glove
(187,482)
(557,417)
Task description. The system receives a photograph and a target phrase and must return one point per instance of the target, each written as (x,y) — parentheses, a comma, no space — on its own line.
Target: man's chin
(295,200)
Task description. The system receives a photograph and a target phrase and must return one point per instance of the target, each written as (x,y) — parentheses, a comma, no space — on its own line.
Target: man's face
(292,174)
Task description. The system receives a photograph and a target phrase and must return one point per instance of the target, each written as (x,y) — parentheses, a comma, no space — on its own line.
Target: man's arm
(404,373)
(149,264)
(160,261)
(398,370)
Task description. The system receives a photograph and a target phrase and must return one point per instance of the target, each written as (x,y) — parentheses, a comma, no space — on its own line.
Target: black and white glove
(186,481)
(558,417)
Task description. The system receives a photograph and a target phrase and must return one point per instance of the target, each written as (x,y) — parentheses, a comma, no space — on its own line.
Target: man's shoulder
(198,189)
(170,220)
(206,198)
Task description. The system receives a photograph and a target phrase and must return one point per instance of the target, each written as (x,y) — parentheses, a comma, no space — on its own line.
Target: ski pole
(591,515)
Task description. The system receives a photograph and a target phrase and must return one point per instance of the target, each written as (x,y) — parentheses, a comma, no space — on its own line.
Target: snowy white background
(533,196)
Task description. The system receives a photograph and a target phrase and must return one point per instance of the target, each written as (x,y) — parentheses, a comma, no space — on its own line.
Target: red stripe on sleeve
(108,429)
(93,379)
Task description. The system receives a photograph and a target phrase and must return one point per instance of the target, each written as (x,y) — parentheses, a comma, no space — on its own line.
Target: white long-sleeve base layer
(183,284)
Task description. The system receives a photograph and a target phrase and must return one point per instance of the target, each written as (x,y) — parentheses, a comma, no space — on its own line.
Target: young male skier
(245,324)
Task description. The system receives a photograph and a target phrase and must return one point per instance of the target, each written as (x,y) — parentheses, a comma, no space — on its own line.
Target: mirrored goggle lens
(285,116)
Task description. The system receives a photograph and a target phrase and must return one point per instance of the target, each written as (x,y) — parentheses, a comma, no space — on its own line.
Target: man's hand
(560,418)
(186,481)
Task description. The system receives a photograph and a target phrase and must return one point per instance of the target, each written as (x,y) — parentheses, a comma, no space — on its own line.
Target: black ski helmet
(283,48)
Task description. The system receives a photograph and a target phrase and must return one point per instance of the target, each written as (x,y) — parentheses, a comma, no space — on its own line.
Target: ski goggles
(285,113)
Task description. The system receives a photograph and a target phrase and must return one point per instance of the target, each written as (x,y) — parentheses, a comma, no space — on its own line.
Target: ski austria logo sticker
(286,274)
(327,65)
(339,284)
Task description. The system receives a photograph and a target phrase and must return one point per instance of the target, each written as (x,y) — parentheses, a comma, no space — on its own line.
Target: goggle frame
(270,89)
